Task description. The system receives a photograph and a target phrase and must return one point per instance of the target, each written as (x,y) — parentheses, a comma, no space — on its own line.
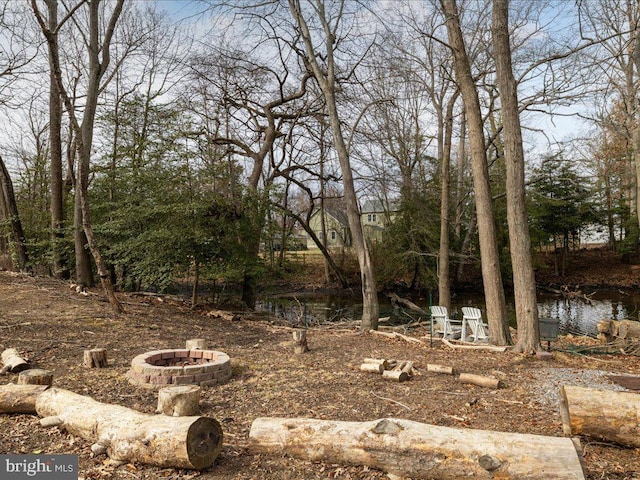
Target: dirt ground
(52,325)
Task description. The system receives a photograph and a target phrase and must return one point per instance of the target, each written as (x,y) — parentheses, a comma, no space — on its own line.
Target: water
(575,315)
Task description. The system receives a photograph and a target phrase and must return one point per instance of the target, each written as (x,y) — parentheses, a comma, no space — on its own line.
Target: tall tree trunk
(11,208)
(60,268)
(326,77)
(524,282)
(490,259)
(444,287)
(99,58)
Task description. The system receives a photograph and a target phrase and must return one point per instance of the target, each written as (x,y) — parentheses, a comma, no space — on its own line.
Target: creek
(575,315)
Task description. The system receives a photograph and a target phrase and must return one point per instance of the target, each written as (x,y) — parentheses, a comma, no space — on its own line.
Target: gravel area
(548,382)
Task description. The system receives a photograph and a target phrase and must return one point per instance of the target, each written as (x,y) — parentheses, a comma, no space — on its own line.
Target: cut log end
(35,376)
(204,442)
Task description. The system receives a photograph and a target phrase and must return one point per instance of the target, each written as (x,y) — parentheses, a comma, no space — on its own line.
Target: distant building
(336,227)
(374,218)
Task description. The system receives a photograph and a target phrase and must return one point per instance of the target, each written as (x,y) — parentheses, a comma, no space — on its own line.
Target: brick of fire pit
(180,367)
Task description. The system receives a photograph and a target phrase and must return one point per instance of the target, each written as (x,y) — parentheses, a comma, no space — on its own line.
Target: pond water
(575,315)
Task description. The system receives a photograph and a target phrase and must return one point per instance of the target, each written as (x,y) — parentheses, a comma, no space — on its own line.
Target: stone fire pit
(180,367)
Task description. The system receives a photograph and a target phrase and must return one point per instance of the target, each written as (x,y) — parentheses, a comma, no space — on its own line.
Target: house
(376,216)
(336,227)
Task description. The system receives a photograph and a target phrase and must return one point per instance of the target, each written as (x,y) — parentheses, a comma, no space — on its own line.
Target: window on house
(371,217)
(334,235)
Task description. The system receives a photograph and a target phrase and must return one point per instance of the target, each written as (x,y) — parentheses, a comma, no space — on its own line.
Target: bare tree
(320,59)
(98,50)
(523,275)
(490,259)
(10,211)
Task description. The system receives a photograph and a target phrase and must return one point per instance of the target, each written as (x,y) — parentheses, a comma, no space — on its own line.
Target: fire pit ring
(160,368)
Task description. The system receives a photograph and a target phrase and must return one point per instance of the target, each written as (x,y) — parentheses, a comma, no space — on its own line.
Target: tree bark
(418,450)
(489,255)
(524,282)
(20,398)
(444,287)
(326,77)
(60,269)
(130,436)
(603,414)
(11,207)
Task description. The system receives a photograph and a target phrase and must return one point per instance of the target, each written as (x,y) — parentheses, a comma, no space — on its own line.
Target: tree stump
(300,340)
(13,361)
(179,401)
(197,344)
(95,358)
(35,376)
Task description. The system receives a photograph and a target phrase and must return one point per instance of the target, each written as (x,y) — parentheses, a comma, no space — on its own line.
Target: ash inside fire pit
(180,367)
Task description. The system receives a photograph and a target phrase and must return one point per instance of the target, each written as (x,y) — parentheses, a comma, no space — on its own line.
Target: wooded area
(140,152)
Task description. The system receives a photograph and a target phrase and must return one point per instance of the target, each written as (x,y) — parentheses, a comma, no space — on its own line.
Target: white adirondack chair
(474,329)
(443,324)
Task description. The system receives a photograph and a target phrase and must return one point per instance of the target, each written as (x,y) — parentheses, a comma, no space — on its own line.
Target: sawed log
(418,450)
(12,361)
(130,436)
(19,398)
(603,414)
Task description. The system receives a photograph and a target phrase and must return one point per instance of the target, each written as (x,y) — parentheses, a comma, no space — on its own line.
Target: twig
(16,325)
(390,400)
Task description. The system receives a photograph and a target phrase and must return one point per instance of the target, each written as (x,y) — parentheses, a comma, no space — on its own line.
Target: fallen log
(611,330)
(418,450)
(603,414)
(130,436)
(372,367)
(12,361)
(432,367)
(471,346)
(395,375)
(19,398)
(480,380)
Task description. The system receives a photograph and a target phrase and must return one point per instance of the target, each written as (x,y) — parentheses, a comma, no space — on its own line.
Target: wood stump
(196,344)
(35,376)
(300,340)
(130,436)
(13,362)
(95,358)
(179,401)
(418,450)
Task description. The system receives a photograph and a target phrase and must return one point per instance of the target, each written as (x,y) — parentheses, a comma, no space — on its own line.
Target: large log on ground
(418,450)
(603,414)
(130,436)
(19,398)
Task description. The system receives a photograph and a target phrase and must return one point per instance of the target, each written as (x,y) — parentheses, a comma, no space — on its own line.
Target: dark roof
(377,206)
